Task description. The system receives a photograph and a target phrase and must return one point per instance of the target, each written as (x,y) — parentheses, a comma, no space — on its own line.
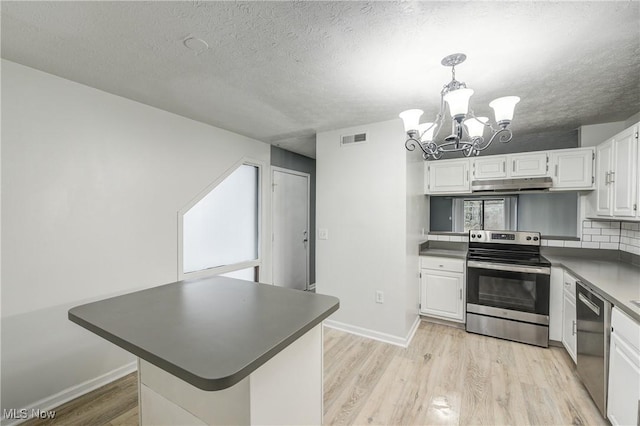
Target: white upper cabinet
(491,167)
(528,164)
(624,173)
(617,175)
(521,165)
(604,157)
(572,168)
(448,177)
(613,174)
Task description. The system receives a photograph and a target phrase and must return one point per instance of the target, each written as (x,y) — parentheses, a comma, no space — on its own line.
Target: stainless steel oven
(508,287)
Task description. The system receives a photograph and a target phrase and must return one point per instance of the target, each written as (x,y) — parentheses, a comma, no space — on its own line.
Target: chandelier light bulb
(475,126)
(426,129)
(458,101)
(411,118)
(503,108)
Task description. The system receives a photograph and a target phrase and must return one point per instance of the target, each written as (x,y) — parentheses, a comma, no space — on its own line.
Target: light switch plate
(323,234)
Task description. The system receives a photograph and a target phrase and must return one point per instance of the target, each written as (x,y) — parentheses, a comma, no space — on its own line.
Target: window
(484,213)
(222,227)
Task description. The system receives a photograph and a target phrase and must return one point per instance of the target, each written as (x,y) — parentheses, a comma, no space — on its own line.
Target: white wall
(91,187)
(635,118)
(595,134)
(362,201)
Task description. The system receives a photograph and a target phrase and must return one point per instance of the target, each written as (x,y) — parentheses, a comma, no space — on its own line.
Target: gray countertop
(210,332)
(616,281)
(456,250)
(458,254)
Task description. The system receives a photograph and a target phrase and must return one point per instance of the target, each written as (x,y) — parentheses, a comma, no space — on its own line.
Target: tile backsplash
(596,234)
(630,237)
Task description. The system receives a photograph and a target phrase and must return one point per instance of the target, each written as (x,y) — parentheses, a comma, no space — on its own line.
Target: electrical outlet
(323,234)
(379,296)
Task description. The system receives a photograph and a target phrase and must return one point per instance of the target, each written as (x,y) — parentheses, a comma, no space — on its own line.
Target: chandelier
(467,130)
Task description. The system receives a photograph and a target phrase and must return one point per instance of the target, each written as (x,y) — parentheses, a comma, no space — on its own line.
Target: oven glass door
(518,291)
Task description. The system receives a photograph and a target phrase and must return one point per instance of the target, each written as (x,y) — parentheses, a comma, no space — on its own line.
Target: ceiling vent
(353,139)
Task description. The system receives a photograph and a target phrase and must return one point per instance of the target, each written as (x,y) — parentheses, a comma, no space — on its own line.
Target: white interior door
(290,228)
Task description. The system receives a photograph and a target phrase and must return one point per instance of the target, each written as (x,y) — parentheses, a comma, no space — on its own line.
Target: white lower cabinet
(623,402)
(569,325)
(442,288)
(556,298)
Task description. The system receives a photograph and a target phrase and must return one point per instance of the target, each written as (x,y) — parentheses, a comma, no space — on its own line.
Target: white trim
(56,400)
(219,270)
(308,177)
(412,331)
(375,335)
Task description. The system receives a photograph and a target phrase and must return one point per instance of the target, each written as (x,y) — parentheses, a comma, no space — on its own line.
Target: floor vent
(351,139)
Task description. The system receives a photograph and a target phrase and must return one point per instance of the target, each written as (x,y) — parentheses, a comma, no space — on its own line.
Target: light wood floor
(445,377)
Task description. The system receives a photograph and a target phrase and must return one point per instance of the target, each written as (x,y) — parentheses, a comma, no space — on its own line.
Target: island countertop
(210,332)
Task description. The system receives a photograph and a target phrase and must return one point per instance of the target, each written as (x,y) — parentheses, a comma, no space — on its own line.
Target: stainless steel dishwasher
(593,315)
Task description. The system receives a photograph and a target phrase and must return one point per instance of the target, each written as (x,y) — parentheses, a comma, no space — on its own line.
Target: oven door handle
(509,268)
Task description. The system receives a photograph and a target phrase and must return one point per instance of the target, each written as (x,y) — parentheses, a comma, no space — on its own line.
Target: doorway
(290,238)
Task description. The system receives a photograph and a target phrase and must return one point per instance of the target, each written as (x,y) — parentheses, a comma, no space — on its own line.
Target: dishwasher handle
(595,308)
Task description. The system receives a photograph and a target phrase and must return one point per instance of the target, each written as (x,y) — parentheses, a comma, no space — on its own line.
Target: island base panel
(287,389)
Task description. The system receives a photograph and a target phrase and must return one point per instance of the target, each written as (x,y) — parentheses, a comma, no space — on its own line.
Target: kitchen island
(219,350)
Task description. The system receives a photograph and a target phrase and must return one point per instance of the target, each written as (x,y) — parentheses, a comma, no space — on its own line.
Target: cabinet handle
(556,172)
(442,266)
(504,166)
(460,294)
(573,328)
(467,175)
(611,178)
(513,163)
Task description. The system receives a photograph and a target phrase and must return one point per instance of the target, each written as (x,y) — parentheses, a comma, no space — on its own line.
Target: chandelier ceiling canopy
(467,130)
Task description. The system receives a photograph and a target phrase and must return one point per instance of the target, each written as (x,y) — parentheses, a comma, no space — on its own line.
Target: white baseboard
(412,331)
(56,400)
(375,335)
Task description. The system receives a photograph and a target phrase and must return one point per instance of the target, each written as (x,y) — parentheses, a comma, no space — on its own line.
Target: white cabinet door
(532,164)
(624,371)
(604,158)
(569,338)
(624,173)
(555,303)
(442,294)
(491,167)
(572,168)
(448,176)
(624,383)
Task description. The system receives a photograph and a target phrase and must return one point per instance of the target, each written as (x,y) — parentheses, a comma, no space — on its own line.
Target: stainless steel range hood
(522,184)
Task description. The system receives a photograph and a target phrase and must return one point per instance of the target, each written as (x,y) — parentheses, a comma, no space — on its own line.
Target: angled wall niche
(219,229)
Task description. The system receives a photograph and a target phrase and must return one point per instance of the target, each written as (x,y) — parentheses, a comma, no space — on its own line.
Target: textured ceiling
(282,71)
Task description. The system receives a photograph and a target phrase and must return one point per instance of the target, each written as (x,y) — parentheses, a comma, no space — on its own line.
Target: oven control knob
(479,235)
(473,235)
(535,238)
(528,238)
